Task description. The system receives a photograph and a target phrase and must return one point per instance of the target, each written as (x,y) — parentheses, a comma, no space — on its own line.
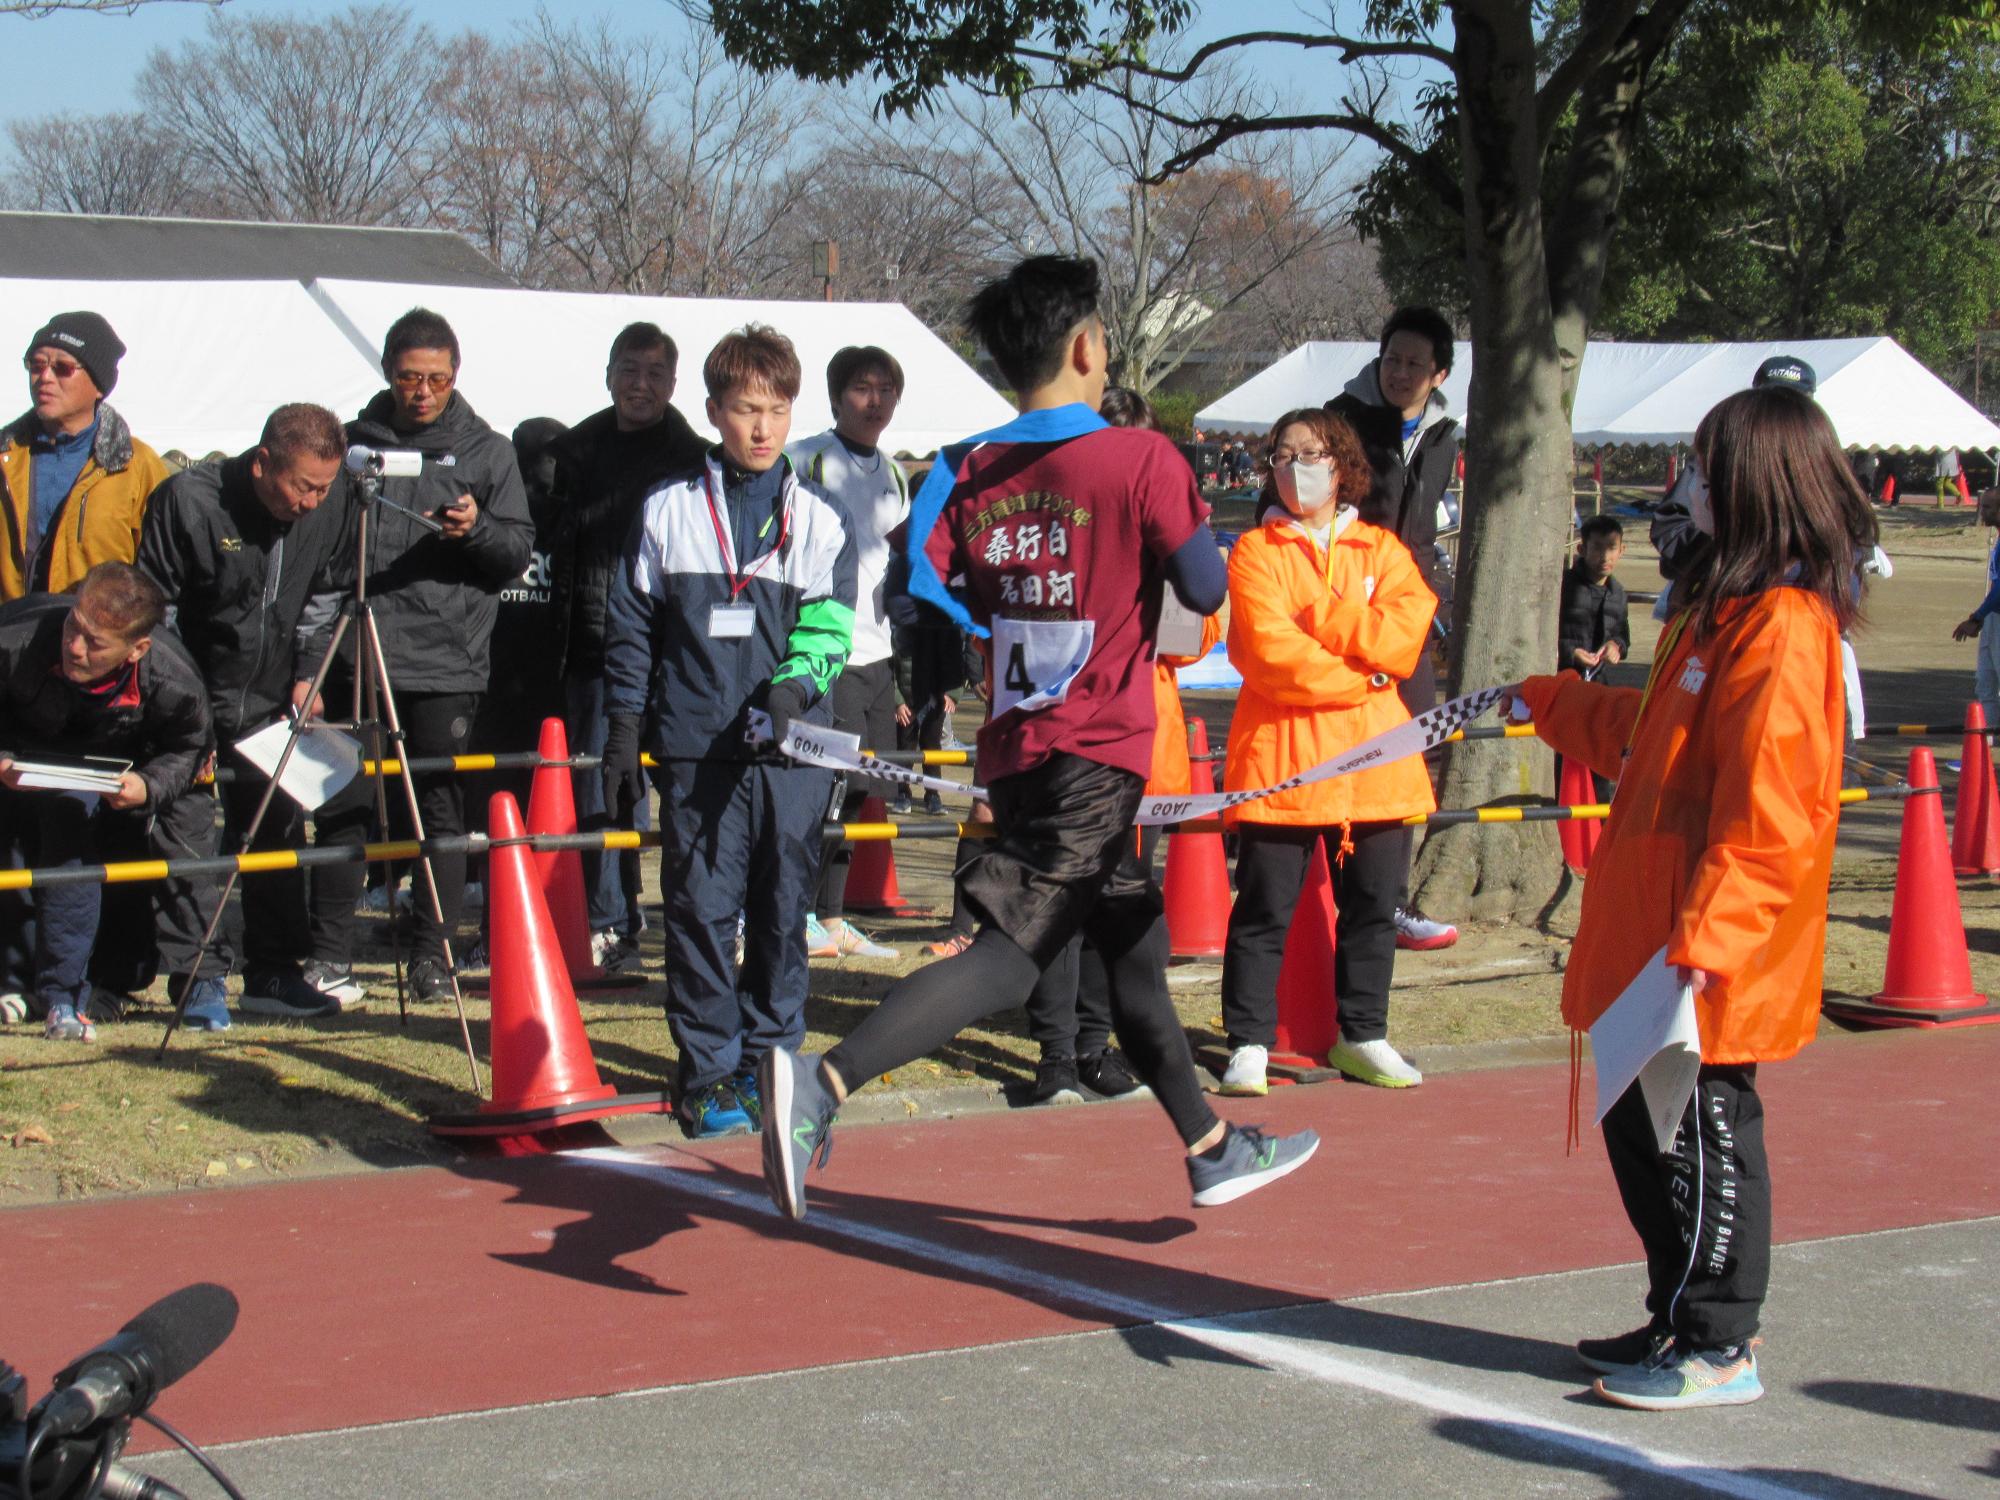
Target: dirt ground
(268,1099)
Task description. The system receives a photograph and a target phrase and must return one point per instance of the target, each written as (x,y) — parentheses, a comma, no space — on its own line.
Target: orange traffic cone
(552,809)
(871,874)
(1197,879)
(1929,979)
(1308,1008)
(1579,836)
(543,1073)
(1975,811)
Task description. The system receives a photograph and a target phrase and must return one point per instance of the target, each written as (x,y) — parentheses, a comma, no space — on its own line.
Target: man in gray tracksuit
(731,616)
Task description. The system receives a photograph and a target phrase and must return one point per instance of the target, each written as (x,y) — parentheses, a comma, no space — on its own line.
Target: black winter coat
(1591,615)
(160,723)
(1404,498)
(435,597)
(602,479)
(239,580)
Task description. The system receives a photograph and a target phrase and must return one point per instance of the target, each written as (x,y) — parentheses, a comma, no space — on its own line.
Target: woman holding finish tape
(1716,862)
(1327,615)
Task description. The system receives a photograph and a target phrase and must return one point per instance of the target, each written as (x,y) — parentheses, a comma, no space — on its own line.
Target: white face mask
(1305,488)
(1701,506)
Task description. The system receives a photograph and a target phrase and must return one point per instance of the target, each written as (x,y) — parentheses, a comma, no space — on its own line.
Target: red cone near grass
(543,1073)
(1975,812)
(1308,1008)
(871,873)
(1197,879)
(552,809)
(1578,836)
(1929,979)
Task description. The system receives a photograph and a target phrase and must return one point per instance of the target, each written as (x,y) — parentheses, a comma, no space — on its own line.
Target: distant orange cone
(871,874)
(1929,979)
(1308,1008)
(1975,810)
(1196,885)
(1579,836)
(543,1073)
(552,809)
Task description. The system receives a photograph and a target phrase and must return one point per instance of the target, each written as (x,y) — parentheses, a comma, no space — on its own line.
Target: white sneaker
(850,941)
(1419,934)
(1245,1073)
(1374,1062)
(13,1008)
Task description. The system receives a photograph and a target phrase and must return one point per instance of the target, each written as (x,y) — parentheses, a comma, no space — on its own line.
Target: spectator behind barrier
(605,467)
(253,554)
(84,675)
(1593,633)
(73,479)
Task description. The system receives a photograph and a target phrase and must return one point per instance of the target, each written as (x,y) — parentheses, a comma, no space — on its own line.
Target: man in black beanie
(73,479)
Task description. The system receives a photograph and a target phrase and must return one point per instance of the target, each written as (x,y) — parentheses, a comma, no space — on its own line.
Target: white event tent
(207,360)
(1876,392)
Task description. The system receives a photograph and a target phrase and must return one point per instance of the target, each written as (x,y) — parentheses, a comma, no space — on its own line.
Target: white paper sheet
(325,761)
(1649,1034)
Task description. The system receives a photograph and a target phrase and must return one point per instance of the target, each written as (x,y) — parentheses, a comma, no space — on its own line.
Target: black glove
(780,702)
(624,782)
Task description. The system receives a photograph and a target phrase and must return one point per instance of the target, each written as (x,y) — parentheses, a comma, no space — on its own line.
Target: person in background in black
(1593,632)
(604,468)
(252,553)
(1396,407)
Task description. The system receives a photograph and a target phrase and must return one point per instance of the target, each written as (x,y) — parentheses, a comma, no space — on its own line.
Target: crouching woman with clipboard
(1711,881)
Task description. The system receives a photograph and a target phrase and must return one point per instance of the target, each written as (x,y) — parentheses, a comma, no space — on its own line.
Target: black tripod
(374,714)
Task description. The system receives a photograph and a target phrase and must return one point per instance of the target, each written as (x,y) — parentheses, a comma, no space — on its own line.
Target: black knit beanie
(87,339)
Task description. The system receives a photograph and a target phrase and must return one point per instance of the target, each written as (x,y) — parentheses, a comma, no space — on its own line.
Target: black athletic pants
(1271,864)
(1063,863)
(276,933)
(433,724)
(1069,1013)
(1703,1210)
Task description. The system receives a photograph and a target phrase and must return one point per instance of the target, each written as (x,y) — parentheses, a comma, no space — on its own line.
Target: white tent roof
(542,354)
(205,361)
(1876,392)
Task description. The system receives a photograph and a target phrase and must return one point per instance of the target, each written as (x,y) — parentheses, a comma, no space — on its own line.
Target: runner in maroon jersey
(1063,532)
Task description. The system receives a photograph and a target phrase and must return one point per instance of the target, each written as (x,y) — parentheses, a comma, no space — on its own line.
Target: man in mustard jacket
(73,479)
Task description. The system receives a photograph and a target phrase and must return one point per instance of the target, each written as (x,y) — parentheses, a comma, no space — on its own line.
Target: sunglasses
(62,369)
(410,380)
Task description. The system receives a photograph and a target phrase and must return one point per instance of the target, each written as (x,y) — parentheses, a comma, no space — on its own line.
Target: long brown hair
(1787,508)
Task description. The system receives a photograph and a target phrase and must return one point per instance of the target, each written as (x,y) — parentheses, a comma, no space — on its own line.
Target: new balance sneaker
(850,941)
(710,1113)
(819,942)
(13,1009)
(207,1007)
(336,982)
(286,995)
(1373,1062)
(65,1025)
(1607,1356)
(1107,1074)
(751,1097)
(1246,1074)
(1419,934)
(798,1125)
(1055,1082)
(1675,1379)
(1246,1160)
(430,980)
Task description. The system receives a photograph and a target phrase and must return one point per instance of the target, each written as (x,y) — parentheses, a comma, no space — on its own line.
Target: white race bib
(1035,661)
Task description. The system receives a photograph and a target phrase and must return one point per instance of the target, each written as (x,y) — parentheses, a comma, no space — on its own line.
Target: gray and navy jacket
(790,557)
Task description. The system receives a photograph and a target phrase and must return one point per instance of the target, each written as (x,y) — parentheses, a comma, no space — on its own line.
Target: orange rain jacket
(1173,774)
(1720,842)
(1321,653)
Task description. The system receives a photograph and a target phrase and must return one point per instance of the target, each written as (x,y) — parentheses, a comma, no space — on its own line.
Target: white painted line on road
(1270,1350)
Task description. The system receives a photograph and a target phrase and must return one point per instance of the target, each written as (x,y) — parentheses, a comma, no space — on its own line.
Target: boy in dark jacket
(1593,632)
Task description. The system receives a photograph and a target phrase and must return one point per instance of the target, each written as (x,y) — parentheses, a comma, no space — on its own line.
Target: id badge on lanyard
(737,620)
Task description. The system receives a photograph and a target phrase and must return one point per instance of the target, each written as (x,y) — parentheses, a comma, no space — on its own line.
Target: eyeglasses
(1302,456)
(410,380)
(62,369)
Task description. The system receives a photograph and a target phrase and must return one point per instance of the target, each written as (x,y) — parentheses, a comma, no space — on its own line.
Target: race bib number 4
(1035,661)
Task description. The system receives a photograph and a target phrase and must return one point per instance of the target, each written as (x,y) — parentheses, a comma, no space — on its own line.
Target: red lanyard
(736,585)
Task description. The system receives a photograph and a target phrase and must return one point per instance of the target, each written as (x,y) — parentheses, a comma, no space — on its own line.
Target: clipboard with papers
(47,772)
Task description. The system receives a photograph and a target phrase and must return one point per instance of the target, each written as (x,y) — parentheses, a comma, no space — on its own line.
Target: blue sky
(88,63)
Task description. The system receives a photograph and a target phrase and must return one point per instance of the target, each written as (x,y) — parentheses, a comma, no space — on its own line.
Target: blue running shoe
(65,1024)
(1609,1356)
(1676,1378)
(710,1113)
(798,1125)
(207,1007)
(1249,1159)
(744,1086)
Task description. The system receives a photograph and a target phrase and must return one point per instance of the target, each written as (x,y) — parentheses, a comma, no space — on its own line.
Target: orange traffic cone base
(493,1122)
(1928,1013)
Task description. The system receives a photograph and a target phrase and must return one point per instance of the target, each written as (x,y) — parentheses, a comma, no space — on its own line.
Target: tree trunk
(1517,512)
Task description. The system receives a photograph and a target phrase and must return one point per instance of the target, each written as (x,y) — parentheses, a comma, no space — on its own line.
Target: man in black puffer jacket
(434,595)
(605,467)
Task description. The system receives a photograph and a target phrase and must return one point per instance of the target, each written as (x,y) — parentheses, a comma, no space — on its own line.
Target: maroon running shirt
(1059,549)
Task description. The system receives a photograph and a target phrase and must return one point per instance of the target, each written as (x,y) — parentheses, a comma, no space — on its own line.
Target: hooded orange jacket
(1172,771)
(1322,642)
(1720,842)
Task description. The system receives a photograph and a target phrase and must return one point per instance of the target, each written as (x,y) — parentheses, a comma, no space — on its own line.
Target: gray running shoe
(798,1123)
(1250,1159)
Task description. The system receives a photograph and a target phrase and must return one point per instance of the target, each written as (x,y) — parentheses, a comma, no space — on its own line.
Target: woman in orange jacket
(1719,850)
(1327,615)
